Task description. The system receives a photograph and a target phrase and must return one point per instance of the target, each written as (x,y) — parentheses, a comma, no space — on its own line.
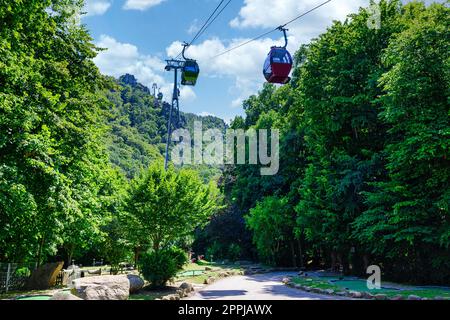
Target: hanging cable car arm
(283,29)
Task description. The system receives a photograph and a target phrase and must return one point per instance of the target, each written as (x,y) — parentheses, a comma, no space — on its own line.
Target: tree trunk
(294,260)
(70,251)
(365,259)
(333,260)
(39,253)
(137,251)
(300,250)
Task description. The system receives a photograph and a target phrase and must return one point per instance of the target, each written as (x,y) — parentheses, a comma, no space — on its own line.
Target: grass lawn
(149,294)
(198,278)
(360,285)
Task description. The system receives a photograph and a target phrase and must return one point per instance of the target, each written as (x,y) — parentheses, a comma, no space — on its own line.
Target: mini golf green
(358,285)
(42,297)
(191,273)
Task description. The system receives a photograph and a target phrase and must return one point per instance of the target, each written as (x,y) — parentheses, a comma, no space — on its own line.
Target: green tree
(166,206)
(50,113)
(408,219)
(272,223)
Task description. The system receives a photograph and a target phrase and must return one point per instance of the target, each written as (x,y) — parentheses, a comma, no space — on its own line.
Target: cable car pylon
(172,65)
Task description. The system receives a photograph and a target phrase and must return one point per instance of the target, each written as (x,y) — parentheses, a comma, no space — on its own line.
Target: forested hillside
(139,126)
(364,169)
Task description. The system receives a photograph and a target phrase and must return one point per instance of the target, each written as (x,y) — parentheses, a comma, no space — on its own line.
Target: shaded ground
(256,287)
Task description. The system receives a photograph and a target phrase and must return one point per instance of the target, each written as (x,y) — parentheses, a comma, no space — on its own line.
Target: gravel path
(256,287)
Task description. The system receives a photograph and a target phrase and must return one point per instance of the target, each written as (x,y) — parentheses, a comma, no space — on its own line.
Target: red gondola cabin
(278,65)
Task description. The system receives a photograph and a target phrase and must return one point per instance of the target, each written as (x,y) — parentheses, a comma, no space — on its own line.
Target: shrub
(214,252)
(23,272)
(158,267)
(234,252)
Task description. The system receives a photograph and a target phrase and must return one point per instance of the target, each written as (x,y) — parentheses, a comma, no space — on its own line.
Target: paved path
(256,287)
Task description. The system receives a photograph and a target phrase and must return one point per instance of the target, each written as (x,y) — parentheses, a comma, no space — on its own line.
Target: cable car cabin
(278,65)
(190,73)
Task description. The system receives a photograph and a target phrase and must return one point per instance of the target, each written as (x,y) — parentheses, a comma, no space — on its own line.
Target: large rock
(44,277)
(64,295)
(356,294)
(187,287)
(136,282)
(102,288)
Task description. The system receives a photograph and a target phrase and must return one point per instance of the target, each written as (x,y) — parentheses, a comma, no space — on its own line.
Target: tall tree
(50,113)
(408,220)
(165,206)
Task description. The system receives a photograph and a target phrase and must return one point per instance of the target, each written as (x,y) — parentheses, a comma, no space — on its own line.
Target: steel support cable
(206,24)
(273,30)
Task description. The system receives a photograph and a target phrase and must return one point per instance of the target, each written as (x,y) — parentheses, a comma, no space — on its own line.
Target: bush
(23,272)
(234,252)
(214,252)
(158,267)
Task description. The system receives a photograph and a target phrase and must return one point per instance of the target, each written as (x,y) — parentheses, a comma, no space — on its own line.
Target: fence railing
(13,276)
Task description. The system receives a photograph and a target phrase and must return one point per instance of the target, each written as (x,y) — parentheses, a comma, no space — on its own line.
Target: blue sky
(141,34)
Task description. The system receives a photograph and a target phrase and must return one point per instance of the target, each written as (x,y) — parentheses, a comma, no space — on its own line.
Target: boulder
(102,288)
(136,282)
(209,280)
(329,291)
(367,295)
(356,294)
(95,272)
(316,290)
(397,297)
(286,280)
(380,297)
(208,269)
(187,287)
(414,297)
(181,293)
(64,295)
(44,277)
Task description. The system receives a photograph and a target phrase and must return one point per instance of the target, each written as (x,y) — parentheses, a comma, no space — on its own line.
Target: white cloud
(141,4)
(96,7)
(254,12)
(187,93)
(194,27)
(121,58)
